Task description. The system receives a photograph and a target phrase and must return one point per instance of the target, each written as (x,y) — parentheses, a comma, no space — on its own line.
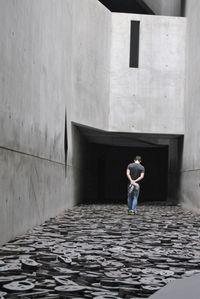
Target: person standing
(135,173)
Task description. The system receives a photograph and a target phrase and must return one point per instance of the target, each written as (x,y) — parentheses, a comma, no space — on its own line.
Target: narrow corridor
(98,251)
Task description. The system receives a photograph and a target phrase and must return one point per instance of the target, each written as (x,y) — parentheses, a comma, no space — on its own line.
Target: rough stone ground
(101,252)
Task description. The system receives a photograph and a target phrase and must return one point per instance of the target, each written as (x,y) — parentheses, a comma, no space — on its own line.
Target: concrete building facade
(190,174)
(67,86)
(156,87)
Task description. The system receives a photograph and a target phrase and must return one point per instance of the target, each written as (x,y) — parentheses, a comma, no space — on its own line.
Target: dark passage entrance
(128,6)
(102,158)
(106,181)
(101,174)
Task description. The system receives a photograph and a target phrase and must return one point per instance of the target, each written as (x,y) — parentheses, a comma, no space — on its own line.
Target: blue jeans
(133,194)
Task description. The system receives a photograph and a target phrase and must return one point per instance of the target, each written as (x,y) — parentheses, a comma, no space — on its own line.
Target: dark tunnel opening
(128,6)
(107,182)
(104,156)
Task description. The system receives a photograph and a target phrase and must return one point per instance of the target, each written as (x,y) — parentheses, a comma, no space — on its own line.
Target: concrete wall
(32,95)
(32,190)
(54,57)
(32,101)
(90,84)
(165,8)
(149,98)
(190,180)
(91,63)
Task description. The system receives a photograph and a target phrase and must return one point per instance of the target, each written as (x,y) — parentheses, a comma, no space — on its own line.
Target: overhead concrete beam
(165,7)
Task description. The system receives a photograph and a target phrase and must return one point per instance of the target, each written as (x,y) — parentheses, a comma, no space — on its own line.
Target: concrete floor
(98,251)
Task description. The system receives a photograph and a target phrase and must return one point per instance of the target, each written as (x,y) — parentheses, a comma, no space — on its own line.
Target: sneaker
(130,212)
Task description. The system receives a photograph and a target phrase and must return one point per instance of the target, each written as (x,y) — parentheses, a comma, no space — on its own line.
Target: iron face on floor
(101,252)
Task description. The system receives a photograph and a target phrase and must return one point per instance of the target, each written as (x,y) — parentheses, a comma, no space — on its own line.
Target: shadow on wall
(79,152)
(65,143)
(179,169)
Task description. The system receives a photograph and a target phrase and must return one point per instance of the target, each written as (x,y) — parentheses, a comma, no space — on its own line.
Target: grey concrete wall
(32,100)
(54,57)
(91,63)
(149,98)
(190,179)
(32,190)
(32,80)
(165,8)
(90,83)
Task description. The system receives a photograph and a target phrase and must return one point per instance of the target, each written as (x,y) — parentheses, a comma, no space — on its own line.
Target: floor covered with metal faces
(99,251)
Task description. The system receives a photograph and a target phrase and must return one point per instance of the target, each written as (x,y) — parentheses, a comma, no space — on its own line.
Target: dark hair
(138,158)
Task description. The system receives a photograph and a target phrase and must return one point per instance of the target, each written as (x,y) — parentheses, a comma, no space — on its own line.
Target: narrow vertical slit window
(65,143)
(134,44)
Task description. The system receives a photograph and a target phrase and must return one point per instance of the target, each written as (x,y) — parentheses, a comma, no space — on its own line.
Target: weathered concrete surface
(52,63)
(166,8)
(190,179)
(32,113)
(90,83)
(32,190)
(149,98)
(180,289)
(91,63)
(33,76)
